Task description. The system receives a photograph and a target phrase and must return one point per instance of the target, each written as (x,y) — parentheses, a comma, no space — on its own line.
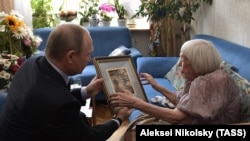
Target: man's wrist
(117,119)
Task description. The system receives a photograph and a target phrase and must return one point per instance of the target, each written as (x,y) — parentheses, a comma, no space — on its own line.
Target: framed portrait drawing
(119,73)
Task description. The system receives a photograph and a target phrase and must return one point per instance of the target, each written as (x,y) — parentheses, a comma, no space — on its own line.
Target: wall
(227,19)
(141,36)
(140,40)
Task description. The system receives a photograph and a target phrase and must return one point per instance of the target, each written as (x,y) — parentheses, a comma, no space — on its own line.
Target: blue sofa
(236,55)
(105,40)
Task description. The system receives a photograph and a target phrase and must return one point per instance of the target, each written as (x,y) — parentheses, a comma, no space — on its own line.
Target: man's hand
(94,86)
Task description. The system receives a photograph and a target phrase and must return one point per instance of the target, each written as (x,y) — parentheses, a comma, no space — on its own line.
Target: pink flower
(27,42)
(107,7)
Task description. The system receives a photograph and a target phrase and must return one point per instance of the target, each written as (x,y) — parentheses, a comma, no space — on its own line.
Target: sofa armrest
(156,66)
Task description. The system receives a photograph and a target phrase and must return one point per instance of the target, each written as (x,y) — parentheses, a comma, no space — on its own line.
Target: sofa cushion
(242,83)
(121,50)
(244,88)
(175,77)
(150,92)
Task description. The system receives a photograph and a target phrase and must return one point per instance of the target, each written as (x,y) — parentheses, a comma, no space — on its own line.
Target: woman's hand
(147,79)
(122,99)
(123,113)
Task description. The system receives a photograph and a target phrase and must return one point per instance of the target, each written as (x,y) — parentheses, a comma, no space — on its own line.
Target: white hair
(202,55)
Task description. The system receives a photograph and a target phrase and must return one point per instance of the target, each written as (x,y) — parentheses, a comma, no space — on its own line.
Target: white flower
(17,14)
(20,33)
(5,75)
(6,64)
(2,16)
(182,10)
(13,57)
(37,40)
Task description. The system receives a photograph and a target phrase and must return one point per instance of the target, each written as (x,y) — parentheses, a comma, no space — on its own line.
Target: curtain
(172,35)
(6,5)
(131,6)
(24,8)
(167,36)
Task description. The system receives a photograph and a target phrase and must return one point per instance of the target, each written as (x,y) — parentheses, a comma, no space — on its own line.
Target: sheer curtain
(131,6)
(24,8)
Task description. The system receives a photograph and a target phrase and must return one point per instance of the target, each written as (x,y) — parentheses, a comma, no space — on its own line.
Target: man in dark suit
(40,105)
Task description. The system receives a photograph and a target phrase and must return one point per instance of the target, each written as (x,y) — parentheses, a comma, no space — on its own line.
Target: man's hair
(63,38)
(202,55)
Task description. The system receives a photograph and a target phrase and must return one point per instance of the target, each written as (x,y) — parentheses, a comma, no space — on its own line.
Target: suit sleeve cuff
(117,121)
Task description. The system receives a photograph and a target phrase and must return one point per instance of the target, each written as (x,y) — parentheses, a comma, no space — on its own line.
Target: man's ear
(70,55)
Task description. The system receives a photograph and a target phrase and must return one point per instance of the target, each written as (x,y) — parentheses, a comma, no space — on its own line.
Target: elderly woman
(210,96)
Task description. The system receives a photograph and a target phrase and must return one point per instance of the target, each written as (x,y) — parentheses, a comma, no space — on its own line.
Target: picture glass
(119,73)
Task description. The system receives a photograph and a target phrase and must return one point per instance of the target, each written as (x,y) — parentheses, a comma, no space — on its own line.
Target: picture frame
(119,73)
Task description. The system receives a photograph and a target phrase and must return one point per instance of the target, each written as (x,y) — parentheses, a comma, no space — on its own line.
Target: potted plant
(41,16)
(93,9)
(173,15)
(158,10)
(106,13)
(121,12)
(84,12)
(84,20)
(93,6)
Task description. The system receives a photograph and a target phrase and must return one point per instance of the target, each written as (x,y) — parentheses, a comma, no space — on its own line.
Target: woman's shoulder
(219,77)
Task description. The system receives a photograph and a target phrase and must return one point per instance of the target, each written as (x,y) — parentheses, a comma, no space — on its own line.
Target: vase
(106,23)
(122,22)
(94,20)
(85,24)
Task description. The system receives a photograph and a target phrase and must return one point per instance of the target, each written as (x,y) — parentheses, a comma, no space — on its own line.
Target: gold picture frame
(119,73)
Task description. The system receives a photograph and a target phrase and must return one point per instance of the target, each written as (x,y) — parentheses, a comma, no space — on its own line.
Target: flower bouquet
(15,37)
(9,64)
(17,41)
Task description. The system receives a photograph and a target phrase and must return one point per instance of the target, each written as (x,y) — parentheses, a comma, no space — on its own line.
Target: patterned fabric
(244,88)
(217,93)
(175,77)
(242,83)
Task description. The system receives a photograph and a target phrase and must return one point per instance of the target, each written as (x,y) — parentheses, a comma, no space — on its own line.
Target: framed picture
(119,73)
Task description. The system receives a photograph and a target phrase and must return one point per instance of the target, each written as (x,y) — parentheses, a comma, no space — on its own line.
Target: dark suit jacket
(40,106)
